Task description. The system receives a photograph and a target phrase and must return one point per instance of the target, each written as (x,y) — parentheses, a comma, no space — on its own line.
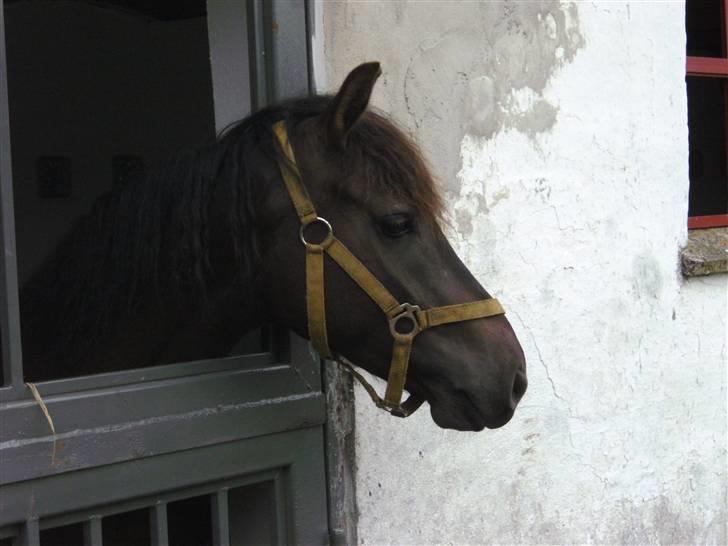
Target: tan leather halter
(405,320)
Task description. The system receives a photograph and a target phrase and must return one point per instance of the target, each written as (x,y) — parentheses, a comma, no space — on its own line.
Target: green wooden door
(215,451)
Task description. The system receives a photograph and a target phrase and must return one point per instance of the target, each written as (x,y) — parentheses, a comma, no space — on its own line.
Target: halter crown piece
(405,320)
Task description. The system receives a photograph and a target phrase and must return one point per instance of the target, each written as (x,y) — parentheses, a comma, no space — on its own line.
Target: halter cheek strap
(405,320)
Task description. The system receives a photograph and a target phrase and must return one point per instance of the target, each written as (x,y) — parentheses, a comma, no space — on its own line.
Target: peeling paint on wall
(481,67)
(489,74)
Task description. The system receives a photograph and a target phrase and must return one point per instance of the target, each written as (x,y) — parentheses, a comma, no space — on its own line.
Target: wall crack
(540,356)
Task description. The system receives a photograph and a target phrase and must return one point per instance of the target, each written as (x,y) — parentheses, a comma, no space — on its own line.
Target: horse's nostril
(519,386)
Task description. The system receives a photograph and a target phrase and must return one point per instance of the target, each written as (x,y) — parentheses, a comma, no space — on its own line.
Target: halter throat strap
(406,321)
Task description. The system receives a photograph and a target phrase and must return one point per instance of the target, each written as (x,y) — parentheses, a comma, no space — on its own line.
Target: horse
(179,265)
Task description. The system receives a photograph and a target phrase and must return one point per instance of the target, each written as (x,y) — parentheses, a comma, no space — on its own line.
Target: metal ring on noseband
(327,240)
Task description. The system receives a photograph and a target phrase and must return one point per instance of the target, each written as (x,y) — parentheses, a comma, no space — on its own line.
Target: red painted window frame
(711,67)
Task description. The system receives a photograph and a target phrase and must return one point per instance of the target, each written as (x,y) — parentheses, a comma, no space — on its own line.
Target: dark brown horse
(179,266)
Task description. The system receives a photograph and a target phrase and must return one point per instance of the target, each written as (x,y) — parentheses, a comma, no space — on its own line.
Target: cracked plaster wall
(559,133)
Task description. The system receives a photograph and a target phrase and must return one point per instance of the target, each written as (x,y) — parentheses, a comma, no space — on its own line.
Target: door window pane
(189,522)
(253,514)
(127,528)
(110,106)
(62,536)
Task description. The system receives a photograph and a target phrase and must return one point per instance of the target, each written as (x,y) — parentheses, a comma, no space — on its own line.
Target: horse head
(371,184)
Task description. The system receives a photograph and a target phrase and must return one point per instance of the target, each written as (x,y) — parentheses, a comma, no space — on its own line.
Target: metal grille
(250,510)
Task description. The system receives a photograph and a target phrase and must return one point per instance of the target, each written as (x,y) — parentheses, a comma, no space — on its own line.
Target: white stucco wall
(559,133)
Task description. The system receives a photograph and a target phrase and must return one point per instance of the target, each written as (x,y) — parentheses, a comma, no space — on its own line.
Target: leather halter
(405,320)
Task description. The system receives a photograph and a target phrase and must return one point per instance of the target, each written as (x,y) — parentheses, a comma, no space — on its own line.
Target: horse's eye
(396,225)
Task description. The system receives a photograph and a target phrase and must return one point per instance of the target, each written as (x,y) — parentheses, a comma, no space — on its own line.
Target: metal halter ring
(405,312)
(327,240)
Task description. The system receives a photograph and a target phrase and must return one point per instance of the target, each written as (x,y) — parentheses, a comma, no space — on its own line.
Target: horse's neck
(214,330)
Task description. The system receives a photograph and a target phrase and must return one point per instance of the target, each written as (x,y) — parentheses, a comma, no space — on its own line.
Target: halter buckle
(404,324)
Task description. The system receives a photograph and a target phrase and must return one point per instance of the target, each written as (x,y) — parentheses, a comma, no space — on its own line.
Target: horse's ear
(351,101)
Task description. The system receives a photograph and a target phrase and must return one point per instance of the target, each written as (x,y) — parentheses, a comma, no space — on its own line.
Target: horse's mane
(151,237)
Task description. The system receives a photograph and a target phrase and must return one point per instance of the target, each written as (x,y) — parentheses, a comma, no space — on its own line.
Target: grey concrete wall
(558,131)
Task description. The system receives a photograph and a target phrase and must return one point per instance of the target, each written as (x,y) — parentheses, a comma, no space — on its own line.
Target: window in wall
(707,87)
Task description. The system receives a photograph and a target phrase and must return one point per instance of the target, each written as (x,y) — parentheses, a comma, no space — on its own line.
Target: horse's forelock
(390,160)
(393,164)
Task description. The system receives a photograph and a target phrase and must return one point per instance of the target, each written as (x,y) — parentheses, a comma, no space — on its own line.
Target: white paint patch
(520,101)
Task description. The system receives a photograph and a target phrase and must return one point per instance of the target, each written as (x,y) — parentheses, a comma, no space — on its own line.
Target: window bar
(259,42)
(9,305)
(92,532)
(30,533)
(220,518)
(710,221)
(158,524)
(280,505)
(709,67)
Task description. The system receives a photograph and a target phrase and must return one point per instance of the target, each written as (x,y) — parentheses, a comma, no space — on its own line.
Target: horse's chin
(466,417)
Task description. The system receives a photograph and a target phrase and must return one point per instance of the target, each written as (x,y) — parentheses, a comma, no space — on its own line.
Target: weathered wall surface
(559,133)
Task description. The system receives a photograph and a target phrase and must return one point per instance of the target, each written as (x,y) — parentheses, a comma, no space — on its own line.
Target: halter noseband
(405,320)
